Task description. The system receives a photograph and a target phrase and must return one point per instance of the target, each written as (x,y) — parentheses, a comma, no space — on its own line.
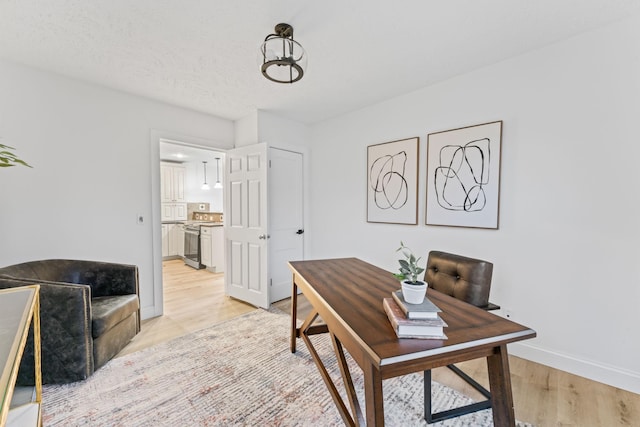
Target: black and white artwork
(392,182)
(463,176)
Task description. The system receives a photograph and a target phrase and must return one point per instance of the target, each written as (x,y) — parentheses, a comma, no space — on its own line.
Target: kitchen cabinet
(165,240)
(173,212)
(205,246)
(172,182)
(174,206)
(212,247)
(178,233)
(217,249)
(172,240)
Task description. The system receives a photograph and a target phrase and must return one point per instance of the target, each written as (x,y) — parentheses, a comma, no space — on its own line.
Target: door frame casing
(155,136)
(306,156)
(272,231)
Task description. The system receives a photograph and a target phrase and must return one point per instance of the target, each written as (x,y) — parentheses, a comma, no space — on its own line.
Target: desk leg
(294,314)
(348,382)
(373,396)
(349,421)
(500,385)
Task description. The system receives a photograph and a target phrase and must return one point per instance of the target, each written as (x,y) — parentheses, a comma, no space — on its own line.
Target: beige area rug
(237,373)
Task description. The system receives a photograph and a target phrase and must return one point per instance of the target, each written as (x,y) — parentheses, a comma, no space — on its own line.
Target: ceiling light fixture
(283,59)
(218,183)
(205,186)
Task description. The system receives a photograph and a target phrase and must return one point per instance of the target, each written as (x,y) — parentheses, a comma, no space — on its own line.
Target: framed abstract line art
(463,176)
(392,182)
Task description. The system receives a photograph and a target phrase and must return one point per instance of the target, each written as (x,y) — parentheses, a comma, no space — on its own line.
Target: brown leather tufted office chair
(469,280)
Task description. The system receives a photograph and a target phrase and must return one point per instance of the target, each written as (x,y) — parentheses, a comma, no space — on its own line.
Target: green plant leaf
(8,159)
(409,269)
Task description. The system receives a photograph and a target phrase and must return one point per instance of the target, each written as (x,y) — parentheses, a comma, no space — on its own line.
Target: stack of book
(414,320)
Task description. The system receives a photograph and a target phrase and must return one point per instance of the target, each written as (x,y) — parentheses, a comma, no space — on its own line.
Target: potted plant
(413,289)
(8,159)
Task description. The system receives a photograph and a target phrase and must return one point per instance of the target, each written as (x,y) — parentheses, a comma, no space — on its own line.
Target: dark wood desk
(347,295)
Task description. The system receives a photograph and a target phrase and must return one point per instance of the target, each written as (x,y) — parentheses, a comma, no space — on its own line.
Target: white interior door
(246,238)
(286,219)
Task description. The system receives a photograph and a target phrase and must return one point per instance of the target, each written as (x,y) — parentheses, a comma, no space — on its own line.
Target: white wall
(290,135)
(278,132)
(92,169)
(566,253)
(246,130)
(263,126)
(281,132)
(195,177)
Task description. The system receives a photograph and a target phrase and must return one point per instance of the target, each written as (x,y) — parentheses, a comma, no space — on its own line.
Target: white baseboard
(149,312)
(610,375)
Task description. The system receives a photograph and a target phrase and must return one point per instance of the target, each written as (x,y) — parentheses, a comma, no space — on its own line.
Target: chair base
(456,412)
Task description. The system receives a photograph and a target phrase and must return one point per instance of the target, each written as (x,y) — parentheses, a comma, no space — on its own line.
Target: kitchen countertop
(193,222)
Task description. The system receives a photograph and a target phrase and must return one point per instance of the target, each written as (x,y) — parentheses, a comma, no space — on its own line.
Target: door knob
(301,231)
(263,236)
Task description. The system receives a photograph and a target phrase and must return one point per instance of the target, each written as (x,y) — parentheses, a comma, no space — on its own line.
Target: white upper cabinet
(174,206)
(172,182)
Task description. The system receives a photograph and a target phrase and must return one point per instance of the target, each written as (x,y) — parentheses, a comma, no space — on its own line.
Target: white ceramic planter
(414,294)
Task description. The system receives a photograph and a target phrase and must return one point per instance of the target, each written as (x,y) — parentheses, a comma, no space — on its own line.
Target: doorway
(191,196)
(156,137)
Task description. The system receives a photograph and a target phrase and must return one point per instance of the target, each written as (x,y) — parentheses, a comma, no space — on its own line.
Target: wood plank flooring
(546,397)
(193,300)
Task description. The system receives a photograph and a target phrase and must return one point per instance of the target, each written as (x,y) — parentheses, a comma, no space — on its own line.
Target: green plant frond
(8,159)
(22,162)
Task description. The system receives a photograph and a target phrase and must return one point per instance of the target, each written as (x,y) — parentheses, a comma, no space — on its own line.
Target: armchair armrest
(65,332)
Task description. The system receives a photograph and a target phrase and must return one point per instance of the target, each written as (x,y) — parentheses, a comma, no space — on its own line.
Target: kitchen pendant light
(218,183)
(283,59)
(205,186)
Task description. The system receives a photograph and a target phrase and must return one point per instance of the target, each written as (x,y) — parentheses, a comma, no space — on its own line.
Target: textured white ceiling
(202,54)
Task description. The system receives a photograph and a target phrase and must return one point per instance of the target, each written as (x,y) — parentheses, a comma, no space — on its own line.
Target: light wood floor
(543,396)
(193,300)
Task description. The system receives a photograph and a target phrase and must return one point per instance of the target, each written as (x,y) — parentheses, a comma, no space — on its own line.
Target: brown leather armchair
(89,311)
(469,280)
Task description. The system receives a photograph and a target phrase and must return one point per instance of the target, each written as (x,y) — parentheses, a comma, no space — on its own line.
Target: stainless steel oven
(192,246)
